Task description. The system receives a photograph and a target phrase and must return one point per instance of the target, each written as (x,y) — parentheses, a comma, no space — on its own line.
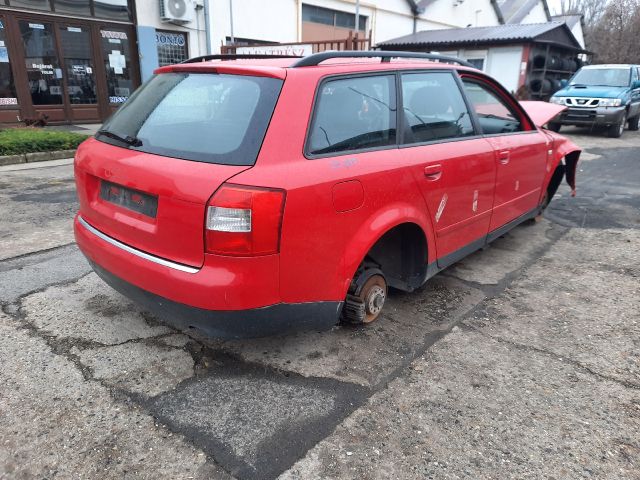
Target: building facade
(77,61)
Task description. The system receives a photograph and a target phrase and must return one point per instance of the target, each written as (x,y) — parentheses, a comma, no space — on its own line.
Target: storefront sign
(117,61)
(113,34)
(80,70)
(177,39)
(8,101)
(74,29)
(299,50)
(117,99)
(37,26)
(45,69)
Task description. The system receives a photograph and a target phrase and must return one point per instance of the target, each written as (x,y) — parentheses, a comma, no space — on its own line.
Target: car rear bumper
(591,116)
(226,297)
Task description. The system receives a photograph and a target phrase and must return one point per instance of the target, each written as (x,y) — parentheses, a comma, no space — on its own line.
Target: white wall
(279,20)
(475,13)
(503,64)
(268,21)
(148,14)
(536,15)
(578,33)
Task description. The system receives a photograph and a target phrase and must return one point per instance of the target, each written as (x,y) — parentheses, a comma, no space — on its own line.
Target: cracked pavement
(520,361)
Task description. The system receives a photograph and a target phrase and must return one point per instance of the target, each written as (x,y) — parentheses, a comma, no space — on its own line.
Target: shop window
(116,50)
(74,7)
(172,47)
(7,86)
(78,67)
(112,9)
(43,67)
(34,4)
(335,18)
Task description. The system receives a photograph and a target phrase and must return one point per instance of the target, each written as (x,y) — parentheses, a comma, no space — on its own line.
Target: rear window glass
(354,114)
(197,116)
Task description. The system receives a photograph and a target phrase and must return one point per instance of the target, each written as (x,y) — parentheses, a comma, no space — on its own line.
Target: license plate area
(128,198)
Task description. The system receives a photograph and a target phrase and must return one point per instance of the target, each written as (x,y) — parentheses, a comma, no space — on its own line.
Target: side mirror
(635,84)
(564,82)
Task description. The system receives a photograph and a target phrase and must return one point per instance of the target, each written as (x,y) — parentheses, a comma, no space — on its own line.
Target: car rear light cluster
(244,221)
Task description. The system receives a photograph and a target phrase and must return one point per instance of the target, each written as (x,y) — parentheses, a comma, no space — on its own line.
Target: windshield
(605,77)
(196,116)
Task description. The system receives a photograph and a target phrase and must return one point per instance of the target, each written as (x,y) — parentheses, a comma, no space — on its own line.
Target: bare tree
(591,10)
(613,38)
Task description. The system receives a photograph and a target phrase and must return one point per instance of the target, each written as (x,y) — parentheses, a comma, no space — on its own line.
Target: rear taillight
(244,220)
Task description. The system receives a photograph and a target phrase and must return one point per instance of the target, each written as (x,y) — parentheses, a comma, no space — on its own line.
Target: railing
(352,42)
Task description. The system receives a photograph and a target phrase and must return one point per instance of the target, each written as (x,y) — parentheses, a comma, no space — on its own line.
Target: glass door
(116,54)
(7,84)
(78,65)
(44,73)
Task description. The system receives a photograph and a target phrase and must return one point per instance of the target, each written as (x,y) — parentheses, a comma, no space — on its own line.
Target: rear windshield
(196,116)
(604,77)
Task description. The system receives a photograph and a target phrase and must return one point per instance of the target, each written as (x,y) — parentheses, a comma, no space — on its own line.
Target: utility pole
(233,40)
(357,16)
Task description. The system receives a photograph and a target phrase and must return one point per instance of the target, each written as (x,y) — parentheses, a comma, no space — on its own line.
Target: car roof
(277,67)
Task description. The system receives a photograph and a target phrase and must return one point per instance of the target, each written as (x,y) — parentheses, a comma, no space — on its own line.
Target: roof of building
(514,11)
(555,32)
(571,20)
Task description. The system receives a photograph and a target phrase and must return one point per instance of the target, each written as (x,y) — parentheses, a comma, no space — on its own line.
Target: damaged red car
(252,196)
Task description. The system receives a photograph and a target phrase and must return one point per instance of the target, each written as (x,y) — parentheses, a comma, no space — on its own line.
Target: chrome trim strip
(136,252)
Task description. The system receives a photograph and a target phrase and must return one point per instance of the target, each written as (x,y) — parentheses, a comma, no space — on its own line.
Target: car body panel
(541,112)
(176,231)
(337,207)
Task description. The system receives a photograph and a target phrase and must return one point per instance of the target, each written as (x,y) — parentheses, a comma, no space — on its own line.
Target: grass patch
(15,141)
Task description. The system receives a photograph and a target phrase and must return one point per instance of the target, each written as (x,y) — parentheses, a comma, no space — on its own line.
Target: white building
(289,21)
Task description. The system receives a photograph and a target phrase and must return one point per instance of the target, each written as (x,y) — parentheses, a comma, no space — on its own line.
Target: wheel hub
(375,300)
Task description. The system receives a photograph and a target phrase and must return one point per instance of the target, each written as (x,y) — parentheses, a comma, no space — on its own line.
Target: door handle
(433,172)
(504,157)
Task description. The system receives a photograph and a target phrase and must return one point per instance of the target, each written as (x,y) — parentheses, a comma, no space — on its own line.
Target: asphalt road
(521,361)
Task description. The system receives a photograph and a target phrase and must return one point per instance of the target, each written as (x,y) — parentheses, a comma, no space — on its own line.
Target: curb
(36,157)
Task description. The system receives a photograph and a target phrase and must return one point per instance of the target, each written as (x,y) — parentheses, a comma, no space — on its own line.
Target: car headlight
(558,100)
(610,102)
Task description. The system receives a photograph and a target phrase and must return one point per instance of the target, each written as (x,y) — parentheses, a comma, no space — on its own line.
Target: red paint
(335,209)
(347,195)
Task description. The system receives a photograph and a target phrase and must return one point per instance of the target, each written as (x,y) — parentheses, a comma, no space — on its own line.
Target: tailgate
(153,203)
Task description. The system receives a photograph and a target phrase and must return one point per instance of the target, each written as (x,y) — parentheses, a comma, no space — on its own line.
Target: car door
(453,166)
(520,149)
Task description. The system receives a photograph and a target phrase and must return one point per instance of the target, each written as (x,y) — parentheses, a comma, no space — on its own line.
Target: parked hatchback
(601,95)
(253,196)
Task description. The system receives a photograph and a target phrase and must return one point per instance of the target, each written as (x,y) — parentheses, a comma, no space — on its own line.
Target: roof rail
(385,55)
(247,56)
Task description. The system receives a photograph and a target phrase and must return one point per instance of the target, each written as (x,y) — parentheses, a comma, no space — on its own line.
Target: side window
(634,75)
(354,114)
(433,108)
(494,114)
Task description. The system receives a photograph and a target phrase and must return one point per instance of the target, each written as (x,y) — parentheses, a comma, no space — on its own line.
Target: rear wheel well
(401,254)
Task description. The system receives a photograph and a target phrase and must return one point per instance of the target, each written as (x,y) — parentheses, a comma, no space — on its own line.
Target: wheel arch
(384,230)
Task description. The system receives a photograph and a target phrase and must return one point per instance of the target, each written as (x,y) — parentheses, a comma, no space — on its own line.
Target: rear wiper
(129,140)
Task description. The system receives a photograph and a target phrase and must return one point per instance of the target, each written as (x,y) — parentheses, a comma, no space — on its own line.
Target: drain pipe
(207,27)
(416,11)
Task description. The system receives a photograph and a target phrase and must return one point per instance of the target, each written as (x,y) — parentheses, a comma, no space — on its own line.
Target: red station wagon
(251,196)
